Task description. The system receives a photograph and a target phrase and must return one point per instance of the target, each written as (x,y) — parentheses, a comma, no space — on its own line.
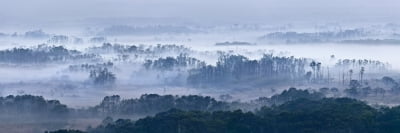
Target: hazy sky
(36,11)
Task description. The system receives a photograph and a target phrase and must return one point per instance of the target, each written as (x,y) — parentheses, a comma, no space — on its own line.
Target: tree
(313,65)
(102,77)
(362,74)
(351,74)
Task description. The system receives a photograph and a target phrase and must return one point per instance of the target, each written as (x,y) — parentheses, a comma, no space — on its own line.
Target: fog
(100,58)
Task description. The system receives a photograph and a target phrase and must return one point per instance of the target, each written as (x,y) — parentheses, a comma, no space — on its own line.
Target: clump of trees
(315,37)
(28,106)
(139,52)
(170,63)
(42,54)
(239,69)
(149,104)
(372,41)
(390,82)
(153,103)
(358,65)
(141,49)
(390,88)
(35,34)
(58,39)
(102,77)
(90,67)
(289,95)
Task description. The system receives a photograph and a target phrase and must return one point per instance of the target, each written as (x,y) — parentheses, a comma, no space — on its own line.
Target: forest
(178,66)
(330,115)
(174,88)
(294,110)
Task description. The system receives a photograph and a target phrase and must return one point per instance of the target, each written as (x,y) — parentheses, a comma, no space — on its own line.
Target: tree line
(314,37)
(240,69)
(170,63)
(42,54)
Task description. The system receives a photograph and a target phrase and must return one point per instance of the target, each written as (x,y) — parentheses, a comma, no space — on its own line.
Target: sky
(210,11)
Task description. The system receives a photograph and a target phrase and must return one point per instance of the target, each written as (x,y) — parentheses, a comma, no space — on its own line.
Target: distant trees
(316,71)
(36,34)
(29,106)
(41,54)
(170,63)
(3,35)
(362,74)
(102,77)
(358,65)
(58,39)
(63,39)
(356,90)
(239,69)
(348,67)
(91,67)
(351,75)
(392,84)
(286,96)
(316,37)
(98,40)
(389,81)
(371,41)
(151,51)
(149,104)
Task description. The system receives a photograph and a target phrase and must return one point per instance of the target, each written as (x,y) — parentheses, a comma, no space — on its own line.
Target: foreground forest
(293,110)
(328,115)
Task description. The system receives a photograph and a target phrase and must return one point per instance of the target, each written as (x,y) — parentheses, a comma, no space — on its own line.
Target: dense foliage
(42,54)
(102,77)
(239,69)
(329,115)
(90,67)
(153,103)
(139,49)
(149,104)
(314,37)
(170,63)
(32,106)
(288,95)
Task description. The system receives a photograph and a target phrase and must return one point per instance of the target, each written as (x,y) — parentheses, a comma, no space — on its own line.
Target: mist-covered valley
(234,66)
(178,66)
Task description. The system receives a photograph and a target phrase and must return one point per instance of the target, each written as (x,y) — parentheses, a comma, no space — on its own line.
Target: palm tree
(313,64)
(362,74)
(319,70)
